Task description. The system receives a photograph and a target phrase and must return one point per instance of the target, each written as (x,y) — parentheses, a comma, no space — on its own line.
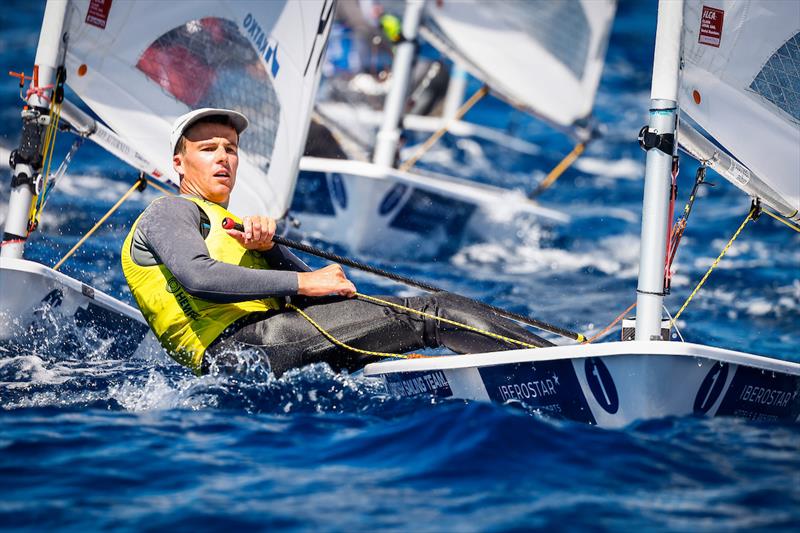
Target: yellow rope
(380,301)
(97,225)
(37,202)
(747,219)
(427,145)
(782,220)
(559,169)
(54,126)
(445,320)
(339,343)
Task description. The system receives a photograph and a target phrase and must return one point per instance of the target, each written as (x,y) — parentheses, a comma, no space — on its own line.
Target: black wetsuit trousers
(288,340)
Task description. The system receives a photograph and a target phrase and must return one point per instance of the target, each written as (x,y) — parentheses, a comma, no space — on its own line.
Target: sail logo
(711,26)
(266,46)
(97,14)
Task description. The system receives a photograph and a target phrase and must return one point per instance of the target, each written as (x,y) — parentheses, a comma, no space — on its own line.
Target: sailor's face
(209,162)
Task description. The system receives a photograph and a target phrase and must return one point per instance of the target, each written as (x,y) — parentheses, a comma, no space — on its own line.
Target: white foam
(5,153)
(28,370)
(615,255)
(618,168)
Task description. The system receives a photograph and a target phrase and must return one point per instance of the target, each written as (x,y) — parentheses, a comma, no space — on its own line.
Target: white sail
(741,84)
(139,64)
(545,57)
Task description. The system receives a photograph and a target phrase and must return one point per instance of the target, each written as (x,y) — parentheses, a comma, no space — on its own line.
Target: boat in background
(139,65)
(545,60)
(727,65)
(370,207)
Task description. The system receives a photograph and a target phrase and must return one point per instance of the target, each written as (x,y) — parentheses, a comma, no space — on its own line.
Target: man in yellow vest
(210,294)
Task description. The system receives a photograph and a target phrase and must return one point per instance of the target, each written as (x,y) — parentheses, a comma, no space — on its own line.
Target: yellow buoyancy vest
(184,324)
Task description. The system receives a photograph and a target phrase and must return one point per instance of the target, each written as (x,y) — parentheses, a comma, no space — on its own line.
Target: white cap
(184,122)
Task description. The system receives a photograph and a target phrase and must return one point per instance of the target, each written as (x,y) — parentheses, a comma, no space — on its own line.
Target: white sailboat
(722,62)
(545,59)
(139,65)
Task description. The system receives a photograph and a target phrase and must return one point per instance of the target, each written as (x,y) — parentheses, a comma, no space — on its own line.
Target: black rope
(412,282)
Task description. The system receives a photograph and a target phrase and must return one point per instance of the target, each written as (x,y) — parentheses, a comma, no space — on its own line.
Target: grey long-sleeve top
(172,232)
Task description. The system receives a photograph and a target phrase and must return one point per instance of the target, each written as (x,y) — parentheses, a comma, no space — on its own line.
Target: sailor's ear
(177,163)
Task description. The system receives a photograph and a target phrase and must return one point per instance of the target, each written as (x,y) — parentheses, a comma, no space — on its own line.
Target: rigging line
(747,219)
(428,144)
(52,150)
(33,213)
(125,196)
(37,204)
(680,225)
(782,220)
(62,168)
(50,143)
(680,336)
(410,282)
(406,309)
(445,320)
(558,170)
(424,286)
(608,328)
(341,344)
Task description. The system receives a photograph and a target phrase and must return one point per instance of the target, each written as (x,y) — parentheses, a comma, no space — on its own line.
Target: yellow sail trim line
(781,219)
(428,144)
(380,301)
(54,116)
(559,169)
(37,202)
(747,219)
(340,344)
(99,223)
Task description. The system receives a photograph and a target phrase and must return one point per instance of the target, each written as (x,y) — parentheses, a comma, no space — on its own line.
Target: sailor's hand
(324,282)
(257,234)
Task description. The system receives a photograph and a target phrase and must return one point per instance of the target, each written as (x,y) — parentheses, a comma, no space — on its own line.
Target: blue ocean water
(91,442)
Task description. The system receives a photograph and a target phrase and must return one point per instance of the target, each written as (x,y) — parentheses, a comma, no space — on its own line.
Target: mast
(389,134)
(659,141)
(26,161)
(456,90)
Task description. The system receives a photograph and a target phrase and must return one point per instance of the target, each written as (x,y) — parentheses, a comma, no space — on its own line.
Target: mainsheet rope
(380,301)
(750,216)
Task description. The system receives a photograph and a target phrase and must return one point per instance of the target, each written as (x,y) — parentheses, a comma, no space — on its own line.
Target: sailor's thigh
(333,314)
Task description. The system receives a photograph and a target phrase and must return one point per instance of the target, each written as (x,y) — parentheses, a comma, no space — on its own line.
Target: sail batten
(142,63)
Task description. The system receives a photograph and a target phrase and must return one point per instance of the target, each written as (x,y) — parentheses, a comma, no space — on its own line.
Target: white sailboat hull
(32,293)
(381,210)
(610,384)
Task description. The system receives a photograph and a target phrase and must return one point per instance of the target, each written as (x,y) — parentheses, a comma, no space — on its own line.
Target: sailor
(210,294)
